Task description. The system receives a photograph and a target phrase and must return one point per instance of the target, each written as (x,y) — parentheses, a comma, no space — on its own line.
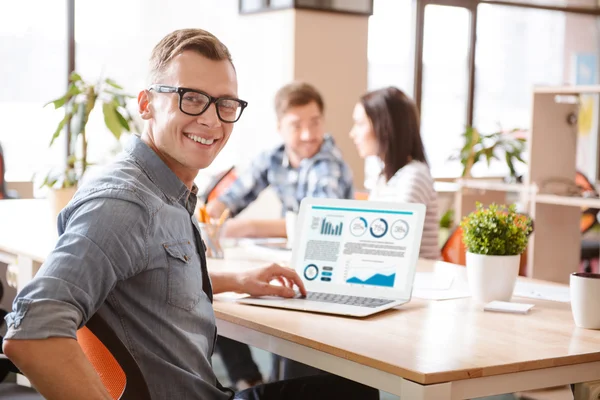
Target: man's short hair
(175,43)
(296,94)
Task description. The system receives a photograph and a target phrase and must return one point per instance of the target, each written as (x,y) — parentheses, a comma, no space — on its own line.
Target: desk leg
(415,391)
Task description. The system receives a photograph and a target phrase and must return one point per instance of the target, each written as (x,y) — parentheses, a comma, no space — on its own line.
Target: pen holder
(211,234)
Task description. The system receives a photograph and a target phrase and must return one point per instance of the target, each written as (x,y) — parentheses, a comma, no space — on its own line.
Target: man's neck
(293,159)
(186,175)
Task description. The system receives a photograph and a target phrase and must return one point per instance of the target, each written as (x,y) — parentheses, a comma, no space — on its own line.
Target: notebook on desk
(355,257)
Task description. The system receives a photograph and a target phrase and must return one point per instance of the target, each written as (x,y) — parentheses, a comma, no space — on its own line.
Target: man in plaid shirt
(307,164)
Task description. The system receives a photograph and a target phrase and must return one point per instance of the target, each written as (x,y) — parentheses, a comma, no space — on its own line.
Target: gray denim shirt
(130,249)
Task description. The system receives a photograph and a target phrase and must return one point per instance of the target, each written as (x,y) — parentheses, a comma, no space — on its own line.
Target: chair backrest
(219,184)
(360,195)
(453,250)
(588,215)
(113,362)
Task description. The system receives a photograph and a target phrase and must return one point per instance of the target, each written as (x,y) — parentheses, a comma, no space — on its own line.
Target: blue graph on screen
(327,228)
(371,276)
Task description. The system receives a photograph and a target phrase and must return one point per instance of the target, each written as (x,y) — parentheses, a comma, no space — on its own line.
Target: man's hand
(215,209)
(257,282)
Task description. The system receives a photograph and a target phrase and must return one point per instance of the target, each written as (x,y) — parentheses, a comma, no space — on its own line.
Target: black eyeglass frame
(158,88)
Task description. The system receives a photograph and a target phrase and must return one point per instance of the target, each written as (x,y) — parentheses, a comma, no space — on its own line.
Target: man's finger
(290,274)
(281,291)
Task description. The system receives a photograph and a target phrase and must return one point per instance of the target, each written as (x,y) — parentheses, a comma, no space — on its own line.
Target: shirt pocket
(184,277)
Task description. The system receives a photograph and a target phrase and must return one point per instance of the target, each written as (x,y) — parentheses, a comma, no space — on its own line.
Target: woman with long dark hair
(386,125)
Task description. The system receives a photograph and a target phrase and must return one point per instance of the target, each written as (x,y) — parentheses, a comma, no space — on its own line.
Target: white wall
(269,50)
(260,53)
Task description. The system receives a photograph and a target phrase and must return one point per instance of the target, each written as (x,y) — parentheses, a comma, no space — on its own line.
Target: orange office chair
(113,362)
(110,358)
(360,195)
(219,184)
(590,249)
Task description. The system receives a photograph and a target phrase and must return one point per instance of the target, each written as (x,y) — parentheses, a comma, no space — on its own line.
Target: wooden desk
(424,350)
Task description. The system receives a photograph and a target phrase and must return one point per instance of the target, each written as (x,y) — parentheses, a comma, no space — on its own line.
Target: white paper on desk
(542,292)
(433,281)
(432,294)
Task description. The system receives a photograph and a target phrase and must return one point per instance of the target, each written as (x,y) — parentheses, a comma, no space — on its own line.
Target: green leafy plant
(497,145)
(78,102)
(496,230)
(447,218)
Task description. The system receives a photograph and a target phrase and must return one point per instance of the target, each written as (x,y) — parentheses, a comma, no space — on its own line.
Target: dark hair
(395,121)
(176,42)
(296,94)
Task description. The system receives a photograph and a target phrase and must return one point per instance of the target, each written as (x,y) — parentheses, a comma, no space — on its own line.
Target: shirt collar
(324,152)
(158,172)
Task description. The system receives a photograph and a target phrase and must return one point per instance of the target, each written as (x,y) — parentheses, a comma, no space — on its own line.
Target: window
(519,48)
(445,84)
(390,49)
(390,54)
(33,72)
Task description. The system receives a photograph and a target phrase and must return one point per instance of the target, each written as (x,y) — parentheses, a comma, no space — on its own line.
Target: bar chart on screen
(330,228)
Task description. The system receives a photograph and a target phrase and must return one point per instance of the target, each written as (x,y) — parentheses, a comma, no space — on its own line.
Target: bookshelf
(554,247)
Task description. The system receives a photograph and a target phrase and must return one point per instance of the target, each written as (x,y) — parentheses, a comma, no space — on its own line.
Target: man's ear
(144,105)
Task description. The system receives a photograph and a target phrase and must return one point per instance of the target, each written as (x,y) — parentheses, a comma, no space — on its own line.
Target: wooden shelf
(583,89)
(570,201)
(554,250)
(445,187)
(495,186)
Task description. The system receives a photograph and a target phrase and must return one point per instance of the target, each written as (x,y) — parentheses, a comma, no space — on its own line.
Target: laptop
(355,257)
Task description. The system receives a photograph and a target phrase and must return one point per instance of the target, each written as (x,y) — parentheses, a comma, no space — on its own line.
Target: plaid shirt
(323,175)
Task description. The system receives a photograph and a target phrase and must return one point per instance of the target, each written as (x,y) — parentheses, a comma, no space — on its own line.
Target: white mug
(290,227)
(585,299)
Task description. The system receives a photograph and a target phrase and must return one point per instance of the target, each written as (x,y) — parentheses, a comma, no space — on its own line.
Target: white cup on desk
(290,227)
(585,299)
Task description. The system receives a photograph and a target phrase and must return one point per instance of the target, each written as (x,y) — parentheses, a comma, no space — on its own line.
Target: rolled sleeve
(102,241)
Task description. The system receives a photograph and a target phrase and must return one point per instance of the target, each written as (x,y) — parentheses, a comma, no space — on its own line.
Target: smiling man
(130,249)
(307,164)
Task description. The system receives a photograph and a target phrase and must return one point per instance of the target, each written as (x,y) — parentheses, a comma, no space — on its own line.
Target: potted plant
(78,102)
(494,237)
(497,145)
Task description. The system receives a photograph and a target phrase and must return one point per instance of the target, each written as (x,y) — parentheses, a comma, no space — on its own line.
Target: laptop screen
(358,247)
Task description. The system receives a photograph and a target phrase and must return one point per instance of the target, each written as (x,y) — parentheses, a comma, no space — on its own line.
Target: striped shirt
(413,184)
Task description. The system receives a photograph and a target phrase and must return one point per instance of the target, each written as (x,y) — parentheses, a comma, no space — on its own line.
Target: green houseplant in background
(494,237)
(78,102)
(446,222)
(497,145)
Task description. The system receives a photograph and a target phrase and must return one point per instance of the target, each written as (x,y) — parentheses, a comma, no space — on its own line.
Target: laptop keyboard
(347,300)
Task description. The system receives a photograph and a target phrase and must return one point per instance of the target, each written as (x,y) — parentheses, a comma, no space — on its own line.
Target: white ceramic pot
(59,198)
(492,277)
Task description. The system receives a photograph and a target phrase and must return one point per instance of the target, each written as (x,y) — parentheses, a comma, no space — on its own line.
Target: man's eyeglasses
(195,102)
